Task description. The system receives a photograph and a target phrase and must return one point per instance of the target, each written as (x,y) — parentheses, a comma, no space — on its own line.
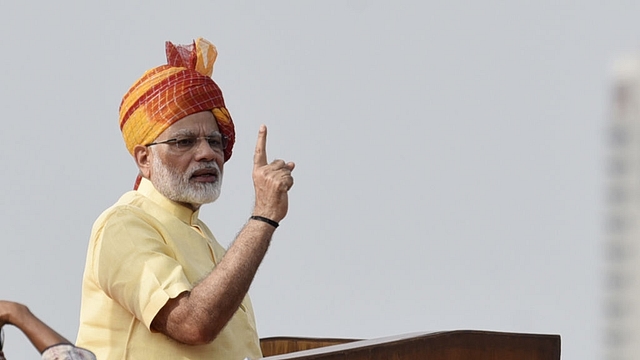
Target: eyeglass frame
(174,142)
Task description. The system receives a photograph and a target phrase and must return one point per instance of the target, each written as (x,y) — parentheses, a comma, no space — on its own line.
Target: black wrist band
(264,219)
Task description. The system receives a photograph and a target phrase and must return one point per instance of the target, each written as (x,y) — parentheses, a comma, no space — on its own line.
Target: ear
(142,156)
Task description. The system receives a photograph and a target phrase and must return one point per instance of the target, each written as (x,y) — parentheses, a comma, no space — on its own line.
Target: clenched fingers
(282,173)
(278,174)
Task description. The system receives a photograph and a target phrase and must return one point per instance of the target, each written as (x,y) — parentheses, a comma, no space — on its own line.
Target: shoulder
(120,226)
(130,206)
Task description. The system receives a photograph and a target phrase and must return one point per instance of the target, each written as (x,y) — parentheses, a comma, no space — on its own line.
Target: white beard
(178,187)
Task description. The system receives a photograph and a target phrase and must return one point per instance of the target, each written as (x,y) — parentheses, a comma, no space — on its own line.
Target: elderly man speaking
(157,285)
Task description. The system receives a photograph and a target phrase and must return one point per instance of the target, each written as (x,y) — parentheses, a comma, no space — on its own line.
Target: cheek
(176,163)
(219,160)
(184,166)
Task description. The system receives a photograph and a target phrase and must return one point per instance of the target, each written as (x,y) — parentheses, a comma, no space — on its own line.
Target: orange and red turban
(168,93)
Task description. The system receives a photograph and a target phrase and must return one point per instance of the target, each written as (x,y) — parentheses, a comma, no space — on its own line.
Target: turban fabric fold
(168,93)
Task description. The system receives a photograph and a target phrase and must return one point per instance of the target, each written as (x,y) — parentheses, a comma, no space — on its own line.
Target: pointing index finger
(260,155)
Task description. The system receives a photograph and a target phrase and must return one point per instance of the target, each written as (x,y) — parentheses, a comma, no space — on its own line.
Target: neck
(194,207)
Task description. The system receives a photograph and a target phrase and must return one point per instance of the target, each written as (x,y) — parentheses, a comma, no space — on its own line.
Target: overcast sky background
(450,155)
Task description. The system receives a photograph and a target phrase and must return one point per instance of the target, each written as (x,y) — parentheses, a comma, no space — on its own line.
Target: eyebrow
(191,133)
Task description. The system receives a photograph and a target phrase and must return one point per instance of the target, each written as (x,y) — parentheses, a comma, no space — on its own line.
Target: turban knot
(168,93)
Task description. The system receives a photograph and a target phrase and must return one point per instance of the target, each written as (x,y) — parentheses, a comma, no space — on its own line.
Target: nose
(204,152)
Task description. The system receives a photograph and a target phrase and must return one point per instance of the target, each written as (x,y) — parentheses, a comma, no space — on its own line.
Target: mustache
(211,166)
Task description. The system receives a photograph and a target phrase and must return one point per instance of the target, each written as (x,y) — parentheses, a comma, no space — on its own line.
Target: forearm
(39,333)
(198,316)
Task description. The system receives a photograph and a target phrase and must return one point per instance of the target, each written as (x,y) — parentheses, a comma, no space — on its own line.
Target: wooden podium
(446,345)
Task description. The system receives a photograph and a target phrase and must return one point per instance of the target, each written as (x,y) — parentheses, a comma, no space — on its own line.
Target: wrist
(17,314)
(265,220)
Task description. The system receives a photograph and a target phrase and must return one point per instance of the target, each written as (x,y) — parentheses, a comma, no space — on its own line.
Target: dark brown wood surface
(284,345)
(446,345)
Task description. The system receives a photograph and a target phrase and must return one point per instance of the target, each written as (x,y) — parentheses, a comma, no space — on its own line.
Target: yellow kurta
(143,251)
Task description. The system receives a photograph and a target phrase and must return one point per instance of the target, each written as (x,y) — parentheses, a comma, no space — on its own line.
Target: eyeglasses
(217,142)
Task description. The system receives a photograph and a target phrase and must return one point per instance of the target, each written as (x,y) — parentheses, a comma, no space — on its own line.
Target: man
(157,285)
(50,344)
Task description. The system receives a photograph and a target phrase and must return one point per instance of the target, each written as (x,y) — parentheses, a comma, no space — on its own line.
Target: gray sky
(450,155)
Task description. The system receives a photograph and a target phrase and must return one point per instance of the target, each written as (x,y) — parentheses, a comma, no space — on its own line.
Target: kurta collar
(180,211)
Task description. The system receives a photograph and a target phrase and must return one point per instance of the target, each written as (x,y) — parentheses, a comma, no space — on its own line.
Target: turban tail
(168,93)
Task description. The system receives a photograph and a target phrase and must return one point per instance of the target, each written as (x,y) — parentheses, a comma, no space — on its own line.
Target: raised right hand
(271,181)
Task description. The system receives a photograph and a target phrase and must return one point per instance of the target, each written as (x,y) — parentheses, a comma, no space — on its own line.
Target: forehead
(200,123)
